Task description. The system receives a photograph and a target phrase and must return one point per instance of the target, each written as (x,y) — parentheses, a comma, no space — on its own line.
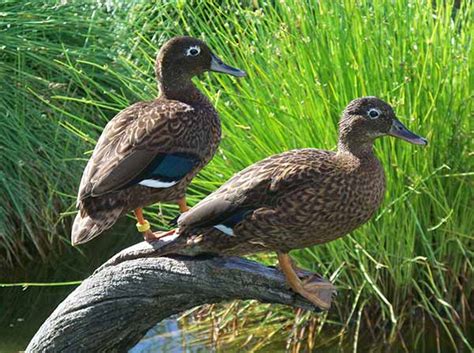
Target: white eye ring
(373,113)
(193,51)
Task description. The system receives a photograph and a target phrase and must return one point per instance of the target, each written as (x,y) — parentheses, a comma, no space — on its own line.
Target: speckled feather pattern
(182,121)
(140,132)
(301,198)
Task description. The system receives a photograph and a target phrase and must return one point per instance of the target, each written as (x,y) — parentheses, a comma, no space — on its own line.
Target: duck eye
(193,51)
(373,113)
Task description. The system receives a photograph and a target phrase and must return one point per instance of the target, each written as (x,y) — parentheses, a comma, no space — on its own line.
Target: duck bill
(400,131)
(217,65)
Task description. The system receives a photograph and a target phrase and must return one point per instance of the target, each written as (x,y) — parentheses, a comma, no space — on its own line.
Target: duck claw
(319,291)
(150,236)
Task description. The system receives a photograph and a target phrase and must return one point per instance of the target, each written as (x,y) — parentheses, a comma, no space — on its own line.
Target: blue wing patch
(167,169)
(227,226)
(171,167)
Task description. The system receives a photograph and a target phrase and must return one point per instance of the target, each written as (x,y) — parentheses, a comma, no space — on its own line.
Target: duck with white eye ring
(193,51)
(296,199)
(373,113)
(396,128)
(217,65)
(151,151)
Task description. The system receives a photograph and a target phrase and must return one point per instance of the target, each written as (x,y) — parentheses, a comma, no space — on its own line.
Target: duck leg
(183,206)
(143,225)
(316,290)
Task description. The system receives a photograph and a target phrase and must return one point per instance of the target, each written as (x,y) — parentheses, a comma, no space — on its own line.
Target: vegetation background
(67,67)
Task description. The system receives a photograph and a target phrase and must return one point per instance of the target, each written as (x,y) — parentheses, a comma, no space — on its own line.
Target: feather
(166,170)
(157,184)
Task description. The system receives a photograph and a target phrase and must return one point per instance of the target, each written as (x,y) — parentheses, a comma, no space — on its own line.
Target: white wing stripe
(224,229)
(151,183)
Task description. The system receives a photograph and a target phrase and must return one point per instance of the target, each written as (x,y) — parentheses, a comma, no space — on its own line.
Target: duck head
(182,58)
(368,118)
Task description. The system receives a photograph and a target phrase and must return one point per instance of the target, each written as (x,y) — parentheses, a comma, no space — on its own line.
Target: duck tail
(86,228)
(83,230)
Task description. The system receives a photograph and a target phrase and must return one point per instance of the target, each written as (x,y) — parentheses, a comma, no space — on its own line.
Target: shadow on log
(114,308)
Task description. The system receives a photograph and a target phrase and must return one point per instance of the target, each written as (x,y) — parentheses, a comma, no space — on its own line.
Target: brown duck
(150,151)
(296,199)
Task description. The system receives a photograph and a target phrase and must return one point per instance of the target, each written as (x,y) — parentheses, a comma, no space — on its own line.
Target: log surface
(114,308)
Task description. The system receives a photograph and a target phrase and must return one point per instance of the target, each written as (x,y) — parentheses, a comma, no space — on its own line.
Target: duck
(296,199)
(150,151)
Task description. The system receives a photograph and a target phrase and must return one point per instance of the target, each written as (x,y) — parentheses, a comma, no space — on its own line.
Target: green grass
(411,264)
(36,151)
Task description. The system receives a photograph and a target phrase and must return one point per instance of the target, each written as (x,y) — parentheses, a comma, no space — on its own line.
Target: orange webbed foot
(314,288)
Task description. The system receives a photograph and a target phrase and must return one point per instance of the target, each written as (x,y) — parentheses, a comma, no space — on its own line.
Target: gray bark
(113,308)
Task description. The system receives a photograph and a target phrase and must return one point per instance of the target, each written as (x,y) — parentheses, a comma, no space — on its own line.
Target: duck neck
(186,93)
(180,87)
(360,148)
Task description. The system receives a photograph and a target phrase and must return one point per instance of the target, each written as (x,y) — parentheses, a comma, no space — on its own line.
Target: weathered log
(113,308)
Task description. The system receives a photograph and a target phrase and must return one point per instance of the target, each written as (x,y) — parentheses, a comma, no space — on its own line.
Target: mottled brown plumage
(163,142)
(298,198)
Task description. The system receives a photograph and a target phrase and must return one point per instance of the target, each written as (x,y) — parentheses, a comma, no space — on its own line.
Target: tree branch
(113,308)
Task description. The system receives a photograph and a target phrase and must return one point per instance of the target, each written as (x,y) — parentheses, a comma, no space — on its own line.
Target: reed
(306,60)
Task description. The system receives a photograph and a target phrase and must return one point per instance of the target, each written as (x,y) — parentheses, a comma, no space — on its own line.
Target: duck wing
(261,185)
(139,145)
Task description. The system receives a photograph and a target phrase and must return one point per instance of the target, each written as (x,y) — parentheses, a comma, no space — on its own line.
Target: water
(23,310)
(167,336)
(22,313)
